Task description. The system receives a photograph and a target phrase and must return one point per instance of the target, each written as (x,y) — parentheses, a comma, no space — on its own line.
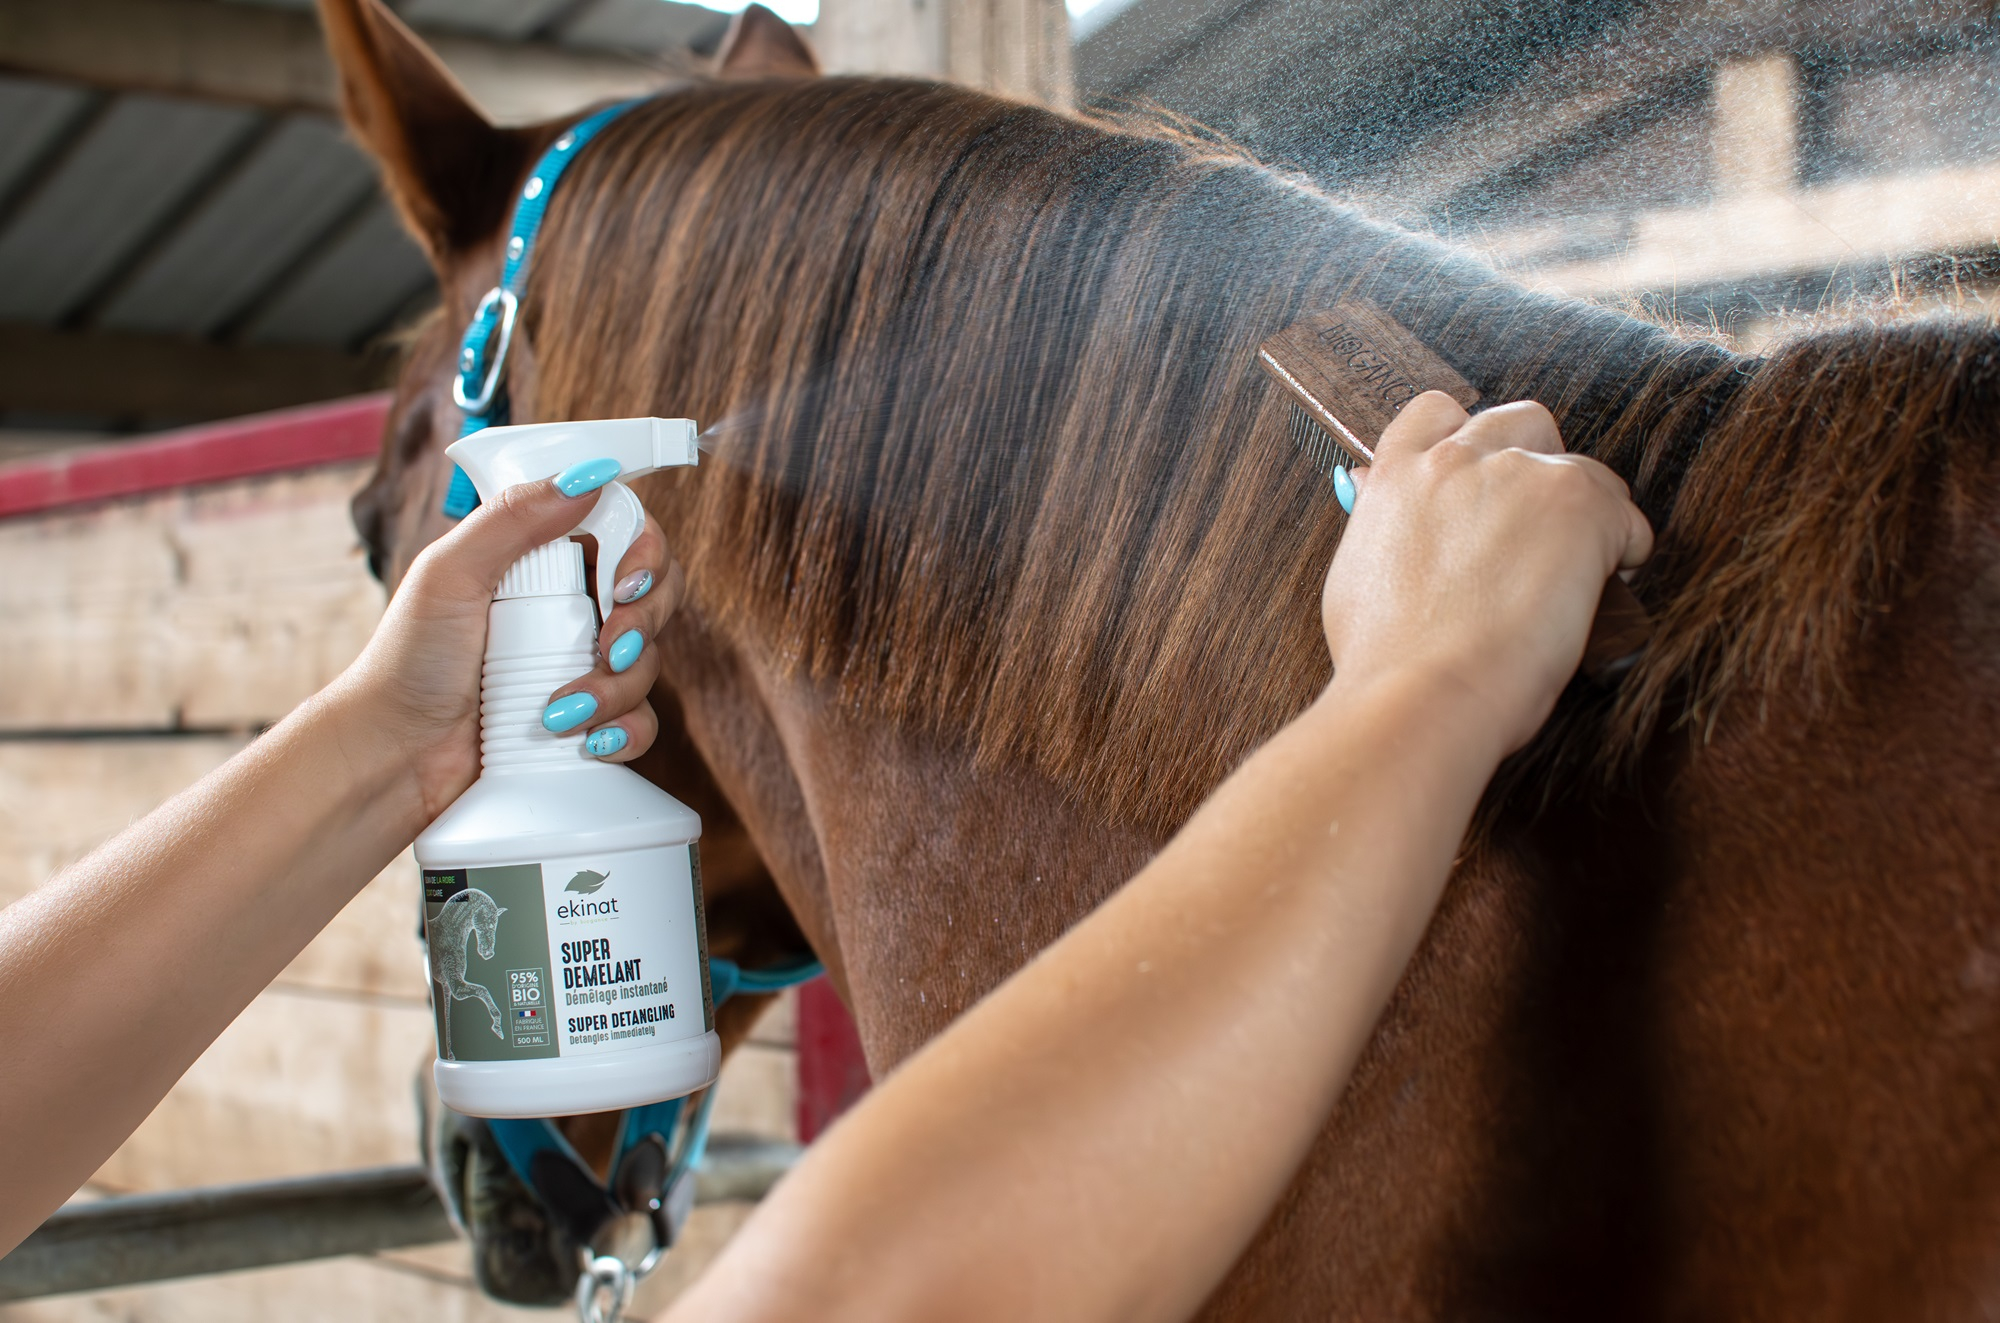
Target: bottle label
(567,957)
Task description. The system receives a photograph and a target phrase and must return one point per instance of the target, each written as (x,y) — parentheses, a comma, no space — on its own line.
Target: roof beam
(276,58)
(1858,225)
(1570,101)
(156,378)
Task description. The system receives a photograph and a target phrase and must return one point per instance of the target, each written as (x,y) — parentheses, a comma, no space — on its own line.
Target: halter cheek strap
(482,354)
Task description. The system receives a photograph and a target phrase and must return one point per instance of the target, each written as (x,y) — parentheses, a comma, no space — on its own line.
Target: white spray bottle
(562,895)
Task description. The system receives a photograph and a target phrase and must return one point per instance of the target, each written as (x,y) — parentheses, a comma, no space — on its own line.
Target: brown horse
(1004,560)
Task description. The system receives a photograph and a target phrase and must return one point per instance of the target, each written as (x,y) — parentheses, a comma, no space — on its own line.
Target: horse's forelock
(996,459)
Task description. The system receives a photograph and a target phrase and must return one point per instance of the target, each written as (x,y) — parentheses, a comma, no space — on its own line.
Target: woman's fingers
(646,593)
(1434,417)
(610,702)
(1424,421)
(1522,425)
(490,539)
(627,737)
(1633,532)
(602,696)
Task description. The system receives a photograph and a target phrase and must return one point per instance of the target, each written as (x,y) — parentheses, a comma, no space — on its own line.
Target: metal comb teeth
(1318,446)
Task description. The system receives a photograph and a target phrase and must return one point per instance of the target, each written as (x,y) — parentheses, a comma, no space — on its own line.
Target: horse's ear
(759,44)
(451,172)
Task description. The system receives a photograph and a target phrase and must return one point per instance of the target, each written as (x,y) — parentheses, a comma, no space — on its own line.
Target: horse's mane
(996,459)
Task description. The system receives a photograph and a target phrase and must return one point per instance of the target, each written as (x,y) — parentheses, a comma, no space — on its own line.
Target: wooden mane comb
(1348,371)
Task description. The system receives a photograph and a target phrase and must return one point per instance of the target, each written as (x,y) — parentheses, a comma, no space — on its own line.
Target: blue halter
(653,1166)
(656,1157)
(476,388)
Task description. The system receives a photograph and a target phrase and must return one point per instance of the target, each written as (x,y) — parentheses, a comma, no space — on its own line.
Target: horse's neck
(923,879)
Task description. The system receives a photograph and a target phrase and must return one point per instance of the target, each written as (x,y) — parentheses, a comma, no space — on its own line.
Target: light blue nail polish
(1343,489)
(569,713)
(604,743)
(625,651)
(586,475)
(633,586)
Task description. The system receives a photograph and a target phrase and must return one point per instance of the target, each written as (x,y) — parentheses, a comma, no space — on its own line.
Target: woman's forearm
(1102,1136)
(116,975)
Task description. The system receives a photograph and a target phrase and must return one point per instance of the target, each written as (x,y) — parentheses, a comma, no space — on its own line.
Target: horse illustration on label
(470,913)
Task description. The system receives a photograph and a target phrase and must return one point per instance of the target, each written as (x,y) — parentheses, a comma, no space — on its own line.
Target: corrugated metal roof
(354,286)
(131,169)
(287,194)
(647,26)
(644,25)
(162,215)
(511,19)
(37,116)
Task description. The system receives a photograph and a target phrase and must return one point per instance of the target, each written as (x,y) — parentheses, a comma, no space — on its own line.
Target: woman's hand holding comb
(1476,556)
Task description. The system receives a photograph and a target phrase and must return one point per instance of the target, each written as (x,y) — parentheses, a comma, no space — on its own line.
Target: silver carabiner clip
(604,1291)
(509,306)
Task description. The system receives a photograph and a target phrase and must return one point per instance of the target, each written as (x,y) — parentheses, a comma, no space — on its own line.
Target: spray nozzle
(497,458)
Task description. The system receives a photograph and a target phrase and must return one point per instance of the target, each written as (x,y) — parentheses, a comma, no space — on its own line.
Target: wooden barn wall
(144,642)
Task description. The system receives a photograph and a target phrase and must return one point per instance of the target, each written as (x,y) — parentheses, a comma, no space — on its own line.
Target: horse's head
(486,922)
(454,177)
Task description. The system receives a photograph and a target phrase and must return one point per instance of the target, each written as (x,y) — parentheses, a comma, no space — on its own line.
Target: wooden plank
(371,948)
(1756,124)
(271,57)
(300,1083)
(222,607)
(759,1093)
(335,1291)
(779,1026)
(131,375)
(60,798)
(1018,48)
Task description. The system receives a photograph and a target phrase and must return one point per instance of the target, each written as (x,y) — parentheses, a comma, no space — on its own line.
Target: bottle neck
(534,646)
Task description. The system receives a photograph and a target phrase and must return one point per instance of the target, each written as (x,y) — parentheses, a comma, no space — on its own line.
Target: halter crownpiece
(482,359)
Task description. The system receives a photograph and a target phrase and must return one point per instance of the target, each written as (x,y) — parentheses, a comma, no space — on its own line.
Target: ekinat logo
(587,883)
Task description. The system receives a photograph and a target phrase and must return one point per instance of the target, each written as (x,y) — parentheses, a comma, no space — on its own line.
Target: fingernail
(569,713)
(625,651)
(586,475)
(1343,489)
(633,586)
(604,743)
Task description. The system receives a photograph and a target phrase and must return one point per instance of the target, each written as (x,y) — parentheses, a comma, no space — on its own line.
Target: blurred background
(186,235)
(188,243)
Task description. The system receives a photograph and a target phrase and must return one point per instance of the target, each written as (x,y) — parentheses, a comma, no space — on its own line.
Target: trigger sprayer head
(497,458)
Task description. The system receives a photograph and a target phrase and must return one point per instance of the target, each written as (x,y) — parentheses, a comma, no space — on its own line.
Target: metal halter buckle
(508,305)
(605,1290)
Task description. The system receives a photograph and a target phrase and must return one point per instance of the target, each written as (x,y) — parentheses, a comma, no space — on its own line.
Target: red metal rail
(833,1073)
(213,452)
